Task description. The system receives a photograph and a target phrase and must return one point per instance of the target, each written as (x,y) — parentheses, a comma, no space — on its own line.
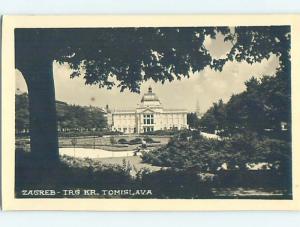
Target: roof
(153,103)
(123,112)
(165,111)
(175,111)
(150,96)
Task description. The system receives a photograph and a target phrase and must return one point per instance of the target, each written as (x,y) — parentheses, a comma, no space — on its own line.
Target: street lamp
(74,142)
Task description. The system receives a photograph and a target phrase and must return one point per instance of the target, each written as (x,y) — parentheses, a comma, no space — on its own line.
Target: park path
(210,135)
(93,153)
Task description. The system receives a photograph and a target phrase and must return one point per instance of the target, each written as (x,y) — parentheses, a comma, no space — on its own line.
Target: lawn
(99,142)
(105,142)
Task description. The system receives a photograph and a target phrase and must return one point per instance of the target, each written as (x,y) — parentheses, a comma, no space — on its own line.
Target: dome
(150,98)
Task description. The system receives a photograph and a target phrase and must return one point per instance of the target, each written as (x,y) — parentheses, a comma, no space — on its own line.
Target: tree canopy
(69,117)
(22,113)
(133,55)
(265,105)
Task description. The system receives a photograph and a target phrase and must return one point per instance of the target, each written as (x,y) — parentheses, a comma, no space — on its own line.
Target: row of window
(145,129)
(127,130)
(149,116)
(148,119)
(148,129)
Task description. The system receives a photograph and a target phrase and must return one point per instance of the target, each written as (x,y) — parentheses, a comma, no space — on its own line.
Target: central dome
(150,98)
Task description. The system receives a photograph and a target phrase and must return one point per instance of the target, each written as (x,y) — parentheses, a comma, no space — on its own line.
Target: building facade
(149,116)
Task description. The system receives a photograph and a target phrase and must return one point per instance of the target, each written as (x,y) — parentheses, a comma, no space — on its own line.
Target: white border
(11,22)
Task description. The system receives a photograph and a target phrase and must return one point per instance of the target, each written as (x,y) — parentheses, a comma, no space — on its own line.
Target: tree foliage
(193,120)
(69,117)
(266,102)
(208,155)
(265,105)
(214,119)
(22,113)
(133,55)
(74,117)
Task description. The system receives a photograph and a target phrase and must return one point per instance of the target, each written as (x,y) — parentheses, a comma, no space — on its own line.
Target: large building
(149,116)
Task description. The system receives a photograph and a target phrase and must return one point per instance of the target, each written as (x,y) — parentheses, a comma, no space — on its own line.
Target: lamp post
(74,142)
(94,142)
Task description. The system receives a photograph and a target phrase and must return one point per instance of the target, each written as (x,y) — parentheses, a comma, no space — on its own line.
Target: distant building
(149,116)
(198,112)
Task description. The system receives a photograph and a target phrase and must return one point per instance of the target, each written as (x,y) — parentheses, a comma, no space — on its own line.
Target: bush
(70,173)
(150,140)
(112,140)
(108,133)
(203,154)
(209,155)
(276,152)
(83,133)
(173,183)
(252,178)
(169,132)
(135,141)
(122,141)
(75,173)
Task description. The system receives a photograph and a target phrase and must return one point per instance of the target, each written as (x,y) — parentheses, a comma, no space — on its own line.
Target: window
(148,129)
(148,119)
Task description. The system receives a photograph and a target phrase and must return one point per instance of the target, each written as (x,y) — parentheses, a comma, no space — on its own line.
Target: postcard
(150,113)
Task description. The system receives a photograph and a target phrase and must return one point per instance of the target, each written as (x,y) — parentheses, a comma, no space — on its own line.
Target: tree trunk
(42,109)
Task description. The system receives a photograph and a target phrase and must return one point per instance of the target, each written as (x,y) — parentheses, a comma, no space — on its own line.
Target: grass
(100,142)
(105,143)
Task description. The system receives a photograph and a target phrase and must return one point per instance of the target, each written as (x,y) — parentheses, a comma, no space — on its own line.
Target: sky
(204,87)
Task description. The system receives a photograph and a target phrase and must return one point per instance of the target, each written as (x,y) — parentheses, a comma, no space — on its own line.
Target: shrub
(168,132)
(276,151)
(171,183)
(112,140)
(112,133)
(150,140)
(76,173)
(122,141)
(135,141)
(201,153)
(208,155)
(83,133)
(72,173)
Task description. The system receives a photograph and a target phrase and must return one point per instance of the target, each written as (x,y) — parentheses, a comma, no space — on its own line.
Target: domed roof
(150,97)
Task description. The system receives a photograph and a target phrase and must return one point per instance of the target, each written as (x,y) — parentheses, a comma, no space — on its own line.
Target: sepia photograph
(153,112)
